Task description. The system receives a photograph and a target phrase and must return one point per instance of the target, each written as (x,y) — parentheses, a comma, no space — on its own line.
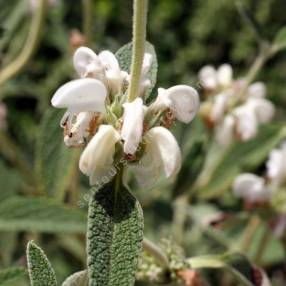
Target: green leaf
(124,56)
(280,39)
(40,215)
(241,157)
(10,275)
(114,239)
(237,264)
(40,270)
(55,162)
(77,279)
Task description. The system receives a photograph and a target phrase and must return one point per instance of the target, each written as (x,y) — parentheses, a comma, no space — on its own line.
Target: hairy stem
(156,252)
(139,36)
(87,21)
(30,46)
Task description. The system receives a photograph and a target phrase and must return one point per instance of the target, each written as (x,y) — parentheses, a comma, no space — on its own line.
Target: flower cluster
(255,189)
(116,132)
(234,108)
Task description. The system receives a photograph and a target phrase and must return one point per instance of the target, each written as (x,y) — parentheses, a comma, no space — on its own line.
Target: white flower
(246,122)
(113,74)
(224,75)
(83,99)
(182,100)
(251,188)
(104,67)
(132,127)
(256,90)
(211,79)
(79,95)
(97,158)
(161,157)
(87,63)
(276,165)
(79,131)
(263,108)
(225,130)
(219,107)
(208,77)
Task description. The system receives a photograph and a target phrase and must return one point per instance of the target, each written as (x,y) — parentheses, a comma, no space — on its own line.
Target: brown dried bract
(168,119)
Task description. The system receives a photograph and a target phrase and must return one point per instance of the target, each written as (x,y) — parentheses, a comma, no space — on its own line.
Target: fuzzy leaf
(40,215)
(55,162)
(10,275)
(114,239)
(40,270)
(242,157)
(77,279)
(124,56)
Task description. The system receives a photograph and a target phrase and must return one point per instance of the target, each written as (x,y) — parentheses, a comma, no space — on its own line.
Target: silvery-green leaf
(114,238)
(40,270)
(40,215)
(124,57)
(54,161)
(11,275)
(77,279)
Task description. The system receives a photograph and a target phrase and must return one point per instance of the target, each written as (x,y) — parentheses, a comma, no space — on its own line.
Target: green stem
(30,46)
(139,36)
(87,21)
(156,252)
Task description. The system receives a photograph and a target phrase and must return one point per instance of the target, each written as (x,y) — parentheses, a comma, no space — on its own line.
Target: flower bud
(162,157)
(97,158)
(132,127)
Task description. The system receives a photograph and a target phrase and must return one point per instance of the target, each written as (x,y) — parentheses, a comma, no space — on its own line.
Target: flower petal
(208,77)
(246,122)
(79,95)
(219,107)
(251,187)
(79,130)
(132,125)
(256,90)
(113,73)
(162,157)
(87,62)
(183,100)
(264,109)
(276,167)
(225,131)
(224,75)
(97,158)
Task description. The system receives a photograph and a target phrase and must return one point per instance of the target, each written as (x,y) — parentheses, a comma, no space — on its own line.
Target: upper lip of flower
(79,95)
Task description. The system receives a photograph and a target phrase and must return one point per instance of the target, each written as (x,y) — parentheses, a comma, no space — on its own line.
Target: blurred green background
(187,34)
